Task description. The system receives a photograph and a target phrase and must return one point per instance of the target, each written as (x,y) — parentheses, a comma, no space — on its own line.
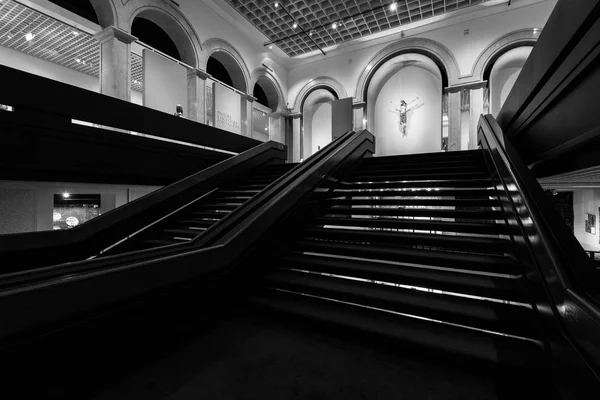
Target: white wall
(165,84)
(321,127)
(33,65)
(504,74)
(424,124)
(586,201)
(311,105)
(346,66)
(37,66)
(27,206)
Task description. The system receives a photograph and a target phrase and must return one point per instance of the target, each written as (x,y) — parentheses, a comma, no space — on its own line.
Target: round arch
(231,59)
(323,82)
(174,23)
(270,84)
(438,53)
(417,80)
(487,58)
(106,12)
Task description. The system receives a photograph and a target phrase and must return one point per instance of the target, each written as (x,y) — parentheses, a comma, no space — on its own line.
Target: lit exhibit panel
(71,210)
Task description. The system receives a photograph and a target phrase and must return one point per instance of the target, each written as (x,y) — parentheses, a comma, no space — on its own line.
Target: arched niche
(176,26)
(322,82)
(487,58)
(417,80)
(431,49)
(316,119)
(503,75)
(231,59)
(270,86)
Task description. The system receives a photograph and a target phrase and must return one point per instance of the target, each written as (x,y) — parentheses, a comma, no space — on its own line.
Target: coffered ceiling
(353,18)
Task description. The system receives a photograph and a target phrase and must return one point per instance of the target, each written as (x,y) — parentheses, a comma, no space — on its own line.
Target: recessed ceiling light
(393,6)
(66,195)
(334,25)
(271,46)
(78,60)
(295,25)
(276,4)
(29,36)
(310,33)
(75,33)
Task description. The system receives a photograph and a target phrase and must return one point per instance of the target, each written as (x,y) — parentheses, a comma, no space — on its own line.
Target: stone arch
(322,82)
(262,73)
(175,24)
(231,59)
(106,11)
(427,47)
(485,60)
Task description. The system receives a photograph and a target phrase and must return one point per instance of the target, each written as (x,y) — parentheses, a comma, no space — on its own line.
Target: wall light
(271,46)
(29,37)
(66,195)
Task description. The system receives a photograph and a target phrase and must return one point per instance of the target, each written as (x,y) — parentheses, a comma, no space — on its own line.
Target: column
(454,120)
(277,127)
(115,62)
(476,111)
(359,116)
(196,84)
(247,101)
(296,137)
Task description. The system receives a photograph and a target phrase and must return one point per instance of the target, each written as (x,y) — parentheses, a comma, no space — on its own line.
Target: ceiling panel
(355,19)
(55,41)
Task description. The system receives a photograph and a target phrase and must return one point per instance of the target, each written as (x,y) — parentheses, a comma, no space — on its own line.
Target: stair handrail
(568,275)
(137,209)
(38,302)
(203,240)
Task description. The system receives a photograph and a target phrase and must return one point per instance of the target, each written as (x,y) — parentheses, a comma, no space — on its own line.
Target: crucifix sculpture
(402,110)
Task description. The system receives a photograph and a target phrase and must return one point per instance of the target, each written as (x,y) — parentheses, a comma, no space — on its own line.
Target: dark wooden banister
(568,275)
(114,225)
(62,103)
(44,301)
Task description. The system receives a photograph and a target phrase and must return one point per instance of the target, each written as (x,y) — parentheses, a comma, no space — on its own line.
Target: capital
(112,32)
(195,72)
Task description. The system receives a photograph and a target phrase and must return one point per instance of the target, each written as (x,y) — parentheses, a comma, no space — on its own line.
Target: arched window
(154,36)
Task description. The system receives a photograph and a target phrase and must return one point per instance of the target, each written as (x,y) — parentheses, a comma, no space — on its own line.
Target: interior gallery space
(303,199)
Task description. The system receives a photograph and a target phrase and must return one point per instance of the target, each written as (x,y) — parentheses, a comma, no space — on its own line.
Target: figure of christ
(402,110)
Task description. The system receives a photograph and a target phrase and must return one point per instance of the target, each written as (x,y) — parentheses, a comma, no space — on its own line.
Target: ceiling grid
(354,19)
(56,41)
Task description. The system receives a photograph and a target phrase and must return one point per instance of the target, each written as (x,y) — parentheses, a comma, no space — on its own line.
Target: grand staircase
(198,216)
(410,247)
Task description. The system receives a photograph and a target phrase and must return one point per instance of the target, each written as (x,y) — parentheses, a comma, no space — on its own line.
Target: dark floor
(250,358)
(233,353)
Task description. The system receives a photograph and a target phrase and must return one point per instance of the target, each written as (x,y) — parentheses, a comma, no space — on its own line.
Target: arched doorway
(404,112)
(502,75)
(317,116)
